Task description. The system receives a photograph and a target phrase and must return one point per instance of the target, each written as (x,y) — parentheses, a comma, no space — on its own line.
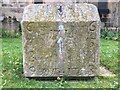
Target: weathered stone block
(60,39)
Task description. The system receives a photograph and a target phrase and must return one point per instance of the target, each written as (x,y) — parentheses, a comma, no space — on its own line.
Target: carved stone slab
(61,40)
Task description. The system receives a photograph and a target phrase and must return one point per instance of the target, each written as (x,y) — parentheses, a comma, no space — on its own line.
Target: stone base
(105,72)
(102,72)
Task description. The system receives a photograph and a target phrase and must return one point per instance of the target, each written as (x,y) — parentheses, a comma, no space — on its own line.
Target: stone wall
(10,11)
(119,16)
(113,16)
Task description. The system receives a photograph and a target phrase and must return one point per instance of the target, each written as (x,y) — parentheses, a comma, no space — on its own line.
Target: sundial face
(65,46)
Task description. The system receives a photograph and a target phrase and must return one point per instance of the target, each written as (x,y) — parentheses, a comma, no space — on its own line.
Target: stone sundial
(61,39)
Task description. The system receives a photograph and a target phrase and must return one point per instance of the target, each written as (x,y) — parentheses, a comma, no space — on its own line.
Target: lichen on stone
(80,38)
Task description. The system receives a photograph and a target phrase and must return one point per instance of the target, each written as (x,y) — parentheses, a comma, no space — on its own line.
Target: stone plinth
(61,40)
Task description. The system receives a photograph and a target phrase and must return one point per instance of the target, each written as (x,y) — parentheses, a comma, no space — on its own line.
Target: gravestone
(61,40)
(10,25)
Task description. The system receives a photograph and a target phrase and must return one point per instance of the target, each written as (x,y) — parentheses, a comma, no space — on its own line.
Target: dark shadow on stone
(66,78)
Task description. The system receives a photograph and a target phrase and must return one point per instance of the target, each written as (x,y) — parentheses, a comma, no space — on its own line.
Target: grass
(109,55)
(12,68)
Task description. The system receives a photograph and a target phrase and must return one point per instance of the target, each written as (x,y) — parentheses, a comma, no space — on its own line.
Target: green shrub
(109,35)
(8,34)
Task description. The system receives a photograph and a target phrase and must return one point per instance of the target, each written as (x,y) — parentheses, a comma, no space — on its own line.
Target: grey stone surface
(61,42)
(119,16)
(10,25)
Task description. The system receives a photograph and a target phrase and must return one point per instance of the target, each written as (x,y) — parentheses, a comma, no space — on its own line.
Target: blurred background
(12,10)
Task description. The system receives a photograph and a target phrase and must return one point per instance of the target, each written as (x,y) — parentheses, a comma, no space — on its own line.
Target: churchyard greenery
(109,35)
(12,68)
(8,34)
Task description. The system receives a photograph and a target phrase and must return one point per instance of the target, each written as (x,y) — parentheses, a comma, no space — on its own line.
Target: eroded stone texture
(69,50)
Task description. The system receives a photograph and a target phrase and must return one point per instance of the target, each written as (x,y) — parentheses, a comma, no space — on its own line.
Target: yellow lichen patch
(37,18)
